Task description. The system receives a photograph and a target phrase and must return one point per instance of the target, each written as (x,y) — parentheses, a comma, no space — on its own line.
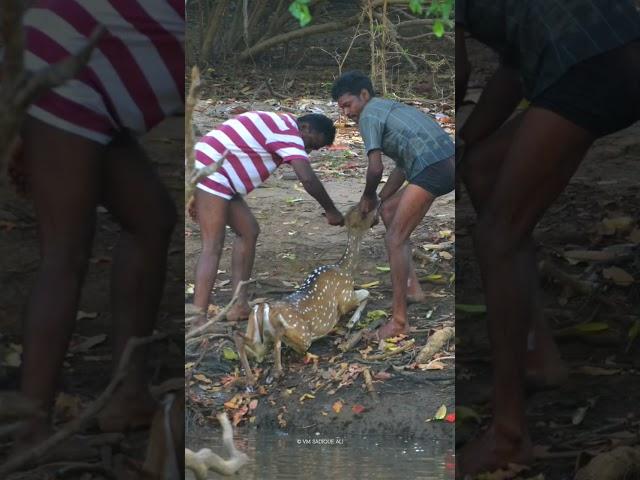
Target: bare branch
(31,455)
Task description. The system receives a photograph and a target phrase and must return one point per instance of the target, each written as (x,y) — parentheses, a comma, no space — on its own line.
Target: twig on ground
(355,338)
(383,356)
(366,373)
(193,335)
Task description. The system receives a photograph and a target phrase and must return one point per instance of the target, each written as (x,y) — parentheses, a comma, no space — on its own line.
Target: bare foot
(390,329)
(128,410)
(490,452)
(238,312)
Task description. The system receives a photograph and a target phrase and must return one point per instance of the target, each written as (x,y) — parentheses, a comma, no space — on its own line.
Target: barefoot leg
(65,176)
(246,228)
(411,209)
(545,152)
(141,204)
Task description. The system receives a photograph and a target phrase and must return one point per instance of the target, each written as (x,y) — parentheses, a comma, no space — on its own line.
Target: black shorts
(600,94)
(438,179)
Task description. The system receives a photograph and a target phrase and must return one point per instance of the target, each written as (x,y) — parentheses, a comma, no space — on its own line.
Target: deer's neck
(349,259)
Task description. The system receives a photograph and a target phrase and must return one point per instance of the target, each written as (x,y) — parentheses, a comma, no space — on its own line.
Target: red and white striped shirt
(135,77)
(258,142)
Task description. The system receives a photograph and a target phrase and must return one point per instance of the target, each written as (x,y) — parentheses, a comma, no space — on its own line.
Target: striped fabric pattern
(257,143)
(135,77)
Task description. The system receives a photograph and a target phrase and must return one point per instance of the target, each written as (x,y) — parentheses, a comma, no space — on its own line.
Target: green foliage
(300,10)
(441,10)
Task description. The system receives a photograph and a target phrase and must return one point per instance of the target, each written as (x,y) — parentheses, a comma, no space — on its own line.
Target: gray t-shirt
(411,138)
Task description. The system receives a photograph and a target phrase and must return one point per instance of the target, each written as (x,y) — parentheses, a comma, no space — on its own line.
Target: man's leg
(213,212)
(141,204)
(482,165)
(388,210)
(412,207)
(545,152)
(246,228)
(65,175)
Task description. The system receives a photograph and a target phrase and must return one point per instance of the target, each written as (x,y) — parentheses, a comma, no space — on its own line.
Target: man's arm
(394,182)
(374,173)
(369,198)
(497,102)
(314,187)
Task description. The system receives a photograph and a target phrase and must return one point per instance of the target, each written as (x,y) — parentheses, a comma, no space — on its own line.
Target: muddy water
(309,456)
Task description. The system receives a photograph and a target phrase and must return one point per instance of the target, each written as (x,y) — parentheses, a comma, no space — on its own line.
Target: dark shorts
(438,179)
(600,94)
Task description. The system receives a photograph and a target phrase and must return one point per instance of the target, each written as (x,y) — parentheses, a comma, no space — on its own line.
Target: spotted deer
(312,310)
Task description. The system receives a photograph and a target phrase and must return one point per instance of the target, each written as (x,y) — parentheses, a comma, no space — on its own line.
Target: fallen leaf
(450,417)
(383,268)
(579,415)
(611,226)
(337,406)
(582,329)
(229,354)
(465,413)
(576,256)
(445,255)
(597,371)
(82,315)
(238,416)
(376,314)
(202,378)
(445,233)
(306,396)
(440,413)
(471,308)
(370,284)
(281,421)
(88,343)
(357,408)
(253,404)
(433,365)
(13,356)
(234,403)
(618,276)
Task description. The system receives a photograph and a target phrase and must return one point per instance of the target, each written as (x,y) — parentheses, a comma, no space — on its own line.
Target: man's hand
(367,204)
(334,217)
(191,209)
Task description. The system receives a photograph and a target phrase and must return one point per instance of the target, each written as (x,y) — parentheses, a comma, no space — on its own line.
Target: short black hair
(321,124)
(351,82)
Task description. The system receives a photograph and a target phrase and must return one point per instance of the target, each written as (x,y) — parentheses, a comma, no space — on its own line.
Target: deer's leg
(277,352)
(362,297)
(241,340)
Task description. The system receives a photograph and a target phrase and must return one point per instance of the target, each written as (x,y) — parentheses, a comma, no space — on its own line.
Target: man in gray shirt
(424,156)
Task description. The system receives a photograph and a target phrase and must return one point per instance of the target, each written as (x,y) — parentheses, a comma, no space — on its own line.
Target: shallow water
(312,456)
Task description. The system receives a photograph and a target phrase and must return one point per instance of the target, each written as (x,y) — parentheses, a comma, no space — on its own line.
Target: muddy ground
(326,394)
(597,409)
(88,364)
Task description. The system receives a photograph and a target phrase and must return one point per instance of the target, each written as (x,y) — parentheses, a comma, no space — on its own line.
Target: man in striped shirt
(250,147)
(424,156)
(80,149)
